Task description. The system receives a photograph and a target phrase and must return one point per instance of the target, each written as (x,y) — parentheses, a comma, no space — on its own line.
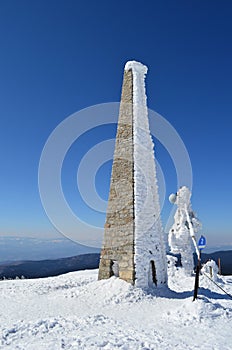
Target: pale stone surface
(118,244)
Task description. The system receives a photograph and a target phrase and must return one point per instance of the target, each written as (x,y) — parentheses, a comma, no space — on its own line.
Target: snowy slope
(75,311)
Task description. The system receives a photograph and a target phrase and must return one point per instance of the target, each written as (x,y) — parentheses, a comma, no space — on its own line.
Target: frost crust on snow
(179,238)
(149,244)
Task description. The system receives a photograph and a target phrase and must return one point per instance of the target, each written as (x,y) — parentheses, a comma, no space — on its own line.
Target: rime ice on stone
(133,237)
(148,235)
(179,238)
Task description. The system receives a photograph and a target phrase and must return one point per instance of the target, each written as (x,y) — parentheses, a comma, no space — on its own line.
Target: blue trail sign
(202,242)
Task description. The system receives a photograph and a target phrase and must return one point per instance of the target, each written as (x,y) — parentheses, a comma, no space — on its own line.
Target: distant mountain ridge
(55,267)
(48,268)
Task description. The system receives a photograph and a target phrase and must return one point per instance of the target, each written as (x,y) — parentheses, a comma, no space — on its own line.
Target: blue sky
(58,57)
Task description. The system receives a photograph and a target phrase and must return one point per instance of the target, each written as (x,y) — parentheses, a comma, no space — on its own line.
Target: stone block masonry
(118,244)
(133,244)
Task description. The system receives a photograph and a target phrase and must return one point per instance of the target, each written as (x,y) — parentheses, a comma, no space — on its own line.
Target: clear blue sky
(57,57)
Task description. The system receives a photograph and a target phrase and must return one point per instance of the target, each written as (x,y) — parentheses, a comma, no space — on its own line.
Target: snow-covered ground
(75,311)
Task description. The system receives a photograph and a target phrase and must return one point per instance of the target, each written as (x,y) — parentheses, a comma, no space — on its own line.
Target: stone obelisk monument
(133,247)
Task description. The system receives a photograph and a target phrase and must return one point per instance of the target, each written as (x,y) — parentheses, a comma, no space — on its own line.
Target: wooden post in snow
(211,271)
(219,266)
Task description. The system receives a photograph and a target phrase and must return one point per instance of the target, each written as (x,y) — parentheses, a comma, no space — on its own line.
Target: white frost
(179,238)
(211,268)
(150,257)
(136,67)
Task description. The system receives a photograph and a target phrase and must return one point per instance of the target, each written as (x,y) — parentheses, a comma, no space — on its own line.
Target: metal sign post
(201,245)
